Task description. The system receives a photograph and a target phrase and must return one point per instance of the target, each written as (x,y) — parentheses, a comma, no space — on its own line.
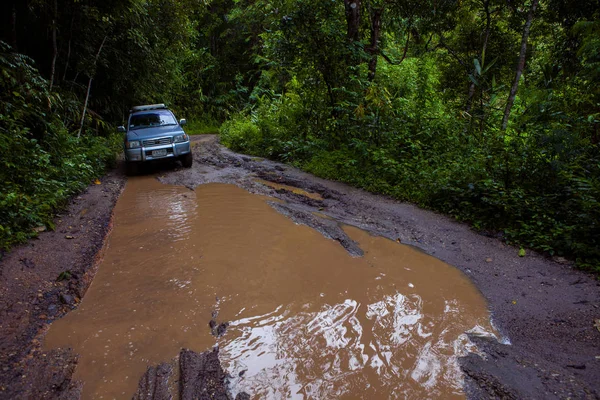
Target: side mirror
(182,122)
(121,129)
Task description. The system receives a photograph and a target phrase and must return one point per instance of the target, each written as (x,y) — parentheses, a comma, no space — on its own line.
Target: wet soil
(199,377)
(43,280)
(546,309)
(303,317)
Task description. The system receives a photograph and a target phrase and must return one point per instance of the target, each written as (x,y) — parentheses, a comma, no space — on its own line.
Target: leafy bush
(42,163)
(240,134)
(200,126)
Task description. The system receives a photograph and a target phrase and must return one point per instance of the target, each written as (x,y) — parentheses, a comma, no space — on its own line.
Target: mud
(200,377)
(154,385)
(218,329)
(221,266)
(545,308)
(279,187)
(43,280)
(328,227)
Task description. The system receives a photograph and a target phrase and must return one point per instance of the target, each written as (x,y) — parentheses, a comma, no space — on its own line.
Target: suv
(153,133)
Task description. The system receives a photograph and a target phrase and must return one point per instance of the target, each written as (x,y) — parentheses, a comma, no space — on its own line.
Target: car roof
(162,110)
(148,107)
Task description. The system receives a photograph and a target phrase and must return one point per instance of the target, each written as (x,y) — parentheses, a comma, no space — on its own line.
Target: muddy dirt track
(544,308)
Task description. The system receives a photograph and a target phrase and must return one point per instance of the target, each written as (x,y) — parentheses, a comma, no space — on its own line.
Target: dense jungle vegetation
(486,110)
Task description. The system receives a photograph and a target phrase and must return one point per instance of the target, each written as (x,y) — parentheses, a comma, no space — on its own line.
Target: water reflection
(324,354)
(170,207)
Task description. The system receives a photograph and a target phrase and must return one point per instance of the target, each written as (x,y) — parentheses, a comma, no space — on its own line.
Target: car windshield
(154,118)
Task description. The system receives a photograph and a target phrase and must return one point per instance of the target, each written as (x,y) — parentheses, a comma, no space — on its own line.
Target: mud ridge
(328,228)
(278,177)
(154,385)
(201,377)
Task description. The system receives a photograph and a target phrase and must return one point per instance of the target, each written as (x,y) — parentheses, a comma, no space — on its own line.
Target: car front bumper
(142,154)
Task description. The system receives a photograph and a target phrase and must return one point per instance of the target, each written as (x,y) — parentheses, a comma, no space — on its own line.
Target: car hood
(156,131)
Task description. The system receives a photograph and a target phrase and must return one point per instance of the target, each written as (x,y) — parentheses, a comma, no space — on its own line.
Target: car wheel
(187,160)
(132,168)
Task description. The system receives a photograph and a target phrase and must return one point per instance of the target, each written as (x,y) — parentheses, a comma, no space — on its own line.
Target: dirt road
(544,309)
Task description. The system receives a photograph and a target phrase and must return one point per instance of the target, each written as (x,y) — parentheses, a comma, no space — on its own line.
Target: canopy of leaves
(405,98)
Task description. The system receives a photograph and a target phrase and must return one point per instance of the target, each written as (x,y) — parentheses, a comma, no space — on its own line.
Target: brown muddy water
(307,319)
(295,190)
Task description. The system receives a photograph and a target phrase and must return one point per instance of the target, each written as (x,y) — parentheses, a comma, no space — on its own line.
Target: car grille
(156,142)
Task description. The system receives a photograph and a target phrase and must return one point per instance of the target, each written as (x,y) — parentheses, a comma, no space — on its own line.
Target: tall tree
(480,63)
(353,12)
(54,44)
(376,16)
(520,64)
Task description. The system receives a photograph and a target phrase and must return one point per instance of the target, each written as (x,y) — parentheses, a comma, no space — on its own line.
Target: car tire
(132,168)
(187,160)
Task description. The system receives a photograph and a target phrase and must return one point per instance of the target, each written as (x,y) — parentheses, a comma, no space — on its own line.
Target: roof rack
(148,107)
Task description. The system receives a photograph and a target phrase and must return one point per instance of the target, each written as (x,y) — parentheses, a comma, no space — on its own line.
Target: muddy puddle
(307,320)
(292,189)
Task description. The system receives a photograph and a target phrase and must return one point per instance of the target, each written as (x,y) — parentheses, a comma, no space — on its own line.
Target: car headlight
(134,144)
(180,138)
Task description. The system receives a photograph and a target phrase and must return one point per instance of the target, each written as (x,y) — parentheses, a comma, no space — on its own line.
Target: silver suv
(153,133)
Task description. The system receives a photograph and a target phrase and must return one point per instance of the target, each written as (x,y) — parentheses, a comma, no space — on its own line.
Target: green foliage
(202,126)
(64,276)
(42,163)
(241,134)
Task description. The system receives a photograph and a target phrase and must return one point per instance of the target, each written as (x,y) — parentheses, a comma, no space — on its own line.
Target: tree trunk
(54,46)
(87,96)
(212,8)
(520,65)
(69,48)
(353,19)
(470,97)
(488,24)
(13,28)
(67,61)
(375,35)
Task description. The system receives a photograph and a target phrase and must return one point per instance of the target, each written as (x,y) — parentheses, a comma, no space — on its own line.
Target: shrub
(42,163)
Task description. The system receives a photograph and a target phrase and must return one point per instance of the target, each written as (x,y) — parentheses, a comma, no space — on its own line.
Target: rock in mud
(52,309)
(329,228)
(66,298)
(217,329)
(27,262)
(154,385)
